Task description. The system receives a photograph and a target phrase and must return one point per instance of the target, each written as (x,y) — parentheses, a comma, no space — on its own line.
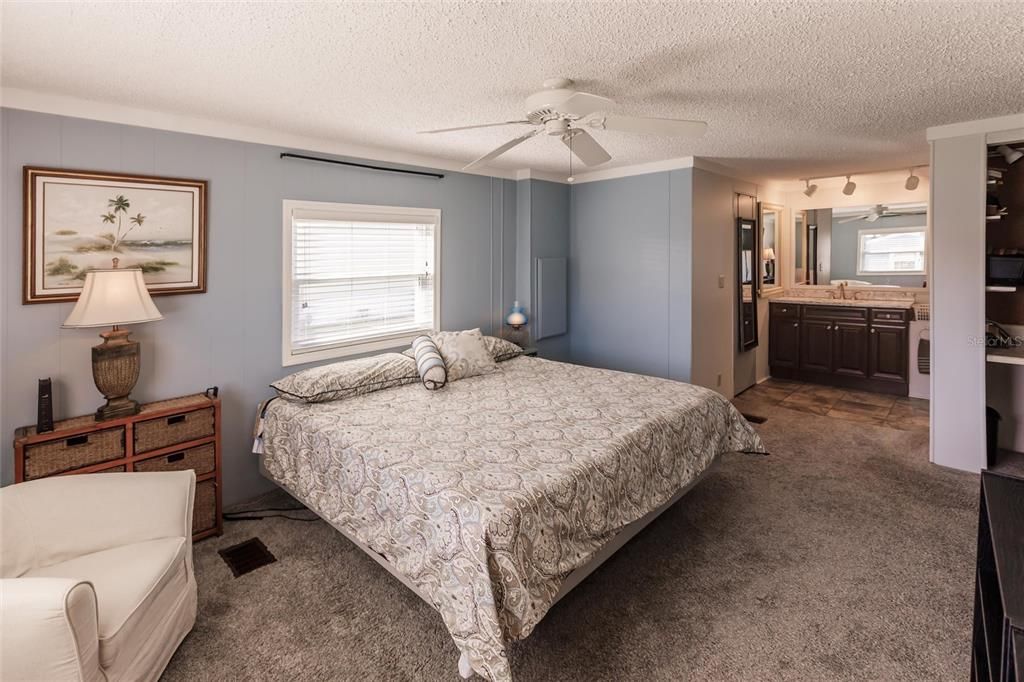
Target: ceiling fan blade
(855,218)
(584,104)
(653,126)
(585,147)
(495,153)
(482,125)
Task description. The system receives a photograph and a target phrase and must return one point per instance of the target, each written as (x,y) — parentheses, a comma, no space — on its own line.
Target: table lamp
(516,319)
(114,297)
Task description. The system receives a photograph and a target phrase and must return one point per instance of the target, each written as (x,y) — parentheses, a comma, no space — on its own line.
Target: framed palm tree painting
(77,221)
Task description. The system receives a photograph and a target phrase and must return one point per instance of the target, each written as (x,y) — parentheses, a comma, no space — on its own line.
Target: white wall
(714,255)
(957,281)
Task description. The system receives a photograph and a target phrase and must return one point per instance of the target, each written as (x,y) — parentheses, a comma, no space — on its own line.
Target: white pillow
(465,354)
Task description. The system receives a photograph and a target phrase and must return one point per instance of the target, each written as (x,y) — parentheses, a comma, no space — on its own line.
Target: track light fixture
(1011,155)
(912,181)
(850,187)
(810,189)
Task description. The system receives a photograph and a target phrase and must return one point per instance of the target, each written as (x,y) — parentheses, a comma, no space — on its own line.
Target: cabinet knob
(796,324)
(828,327)
(872,331)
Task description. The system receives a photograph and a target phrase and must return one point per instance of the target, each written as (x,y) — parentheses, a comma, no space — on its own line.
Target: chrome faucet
(842,290)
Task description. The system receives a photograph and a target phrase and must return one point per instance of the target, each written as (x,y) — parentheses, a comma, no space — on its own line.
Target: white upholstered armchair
(97,580)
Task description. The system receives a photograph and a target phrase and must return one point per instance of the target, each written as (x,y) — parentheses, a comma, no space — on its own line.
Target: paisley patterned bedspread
(487,493)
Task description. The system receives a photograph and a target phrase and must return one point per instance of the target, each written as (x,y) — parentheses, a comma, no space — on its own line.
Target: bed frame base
(571,581)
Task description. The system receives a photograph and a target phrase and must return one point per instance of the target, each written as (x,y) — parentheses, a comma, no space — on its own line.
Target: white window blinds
(360,278)
(891,251)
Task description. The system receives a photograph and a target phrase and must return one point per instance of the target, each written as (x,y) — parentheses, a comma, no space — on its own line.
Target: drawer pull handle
(77,440)
(176,457)
(176,419)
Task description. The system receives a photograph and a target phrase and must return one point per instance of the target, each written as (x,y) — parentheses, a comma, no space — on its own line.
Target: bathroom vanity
(846,343)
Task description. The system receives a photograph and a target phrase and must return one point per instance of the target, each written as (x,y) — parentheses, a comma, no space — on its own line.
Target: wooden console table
(169,435)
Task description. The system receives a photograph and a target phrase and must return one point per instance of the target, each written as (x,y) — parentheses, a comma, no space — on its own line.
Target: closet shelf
(1000,288)
(1006,356)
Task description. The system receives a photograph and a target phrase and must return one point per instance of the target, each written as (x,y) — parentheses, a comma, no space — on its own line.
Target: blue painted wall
(230,336)
(630,280)
(543,232)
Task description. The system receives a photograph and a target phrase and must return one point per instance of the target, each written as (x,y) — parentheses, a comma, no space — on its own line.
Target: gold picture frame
(76,221)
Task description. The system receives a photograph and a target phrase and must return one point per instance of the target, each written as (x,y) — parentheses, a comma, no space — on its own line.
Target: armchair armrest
(48,630)
(58,518)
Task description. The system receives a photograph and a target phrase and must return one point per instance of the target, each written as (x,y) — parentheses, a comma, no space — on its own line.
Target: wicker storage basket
(204,512)
(75,452)
(200,459)
(153,434)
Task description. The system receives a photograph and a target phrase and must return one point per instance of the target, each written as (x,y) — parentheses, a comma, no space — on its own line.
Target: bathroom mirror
(883,245)
(748,266)
(768,253)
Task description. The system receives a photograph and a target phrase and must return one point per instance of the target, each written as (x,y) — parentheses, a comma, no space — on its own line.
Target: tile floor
(908,414)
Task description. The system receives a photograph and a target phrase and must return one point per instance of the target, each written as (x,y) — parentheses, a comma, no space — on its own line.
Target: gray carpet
(842,556)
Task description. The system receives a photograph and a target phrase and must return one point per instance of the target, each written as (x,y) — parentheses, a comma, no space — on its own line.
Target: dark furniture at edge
(169,435)
(997,652)
(846,346)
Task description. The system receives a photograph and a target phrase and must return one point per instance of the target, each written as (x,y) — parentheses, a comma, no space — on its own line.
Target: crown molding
(991,127)
(30,100)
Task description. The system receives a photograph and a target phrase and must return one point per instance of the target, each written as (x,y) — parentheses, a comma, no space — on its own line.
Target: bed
(494,496)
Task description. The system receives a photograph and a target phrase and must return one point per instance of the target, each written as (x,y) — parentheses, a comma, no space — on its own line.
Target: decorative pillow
(347,379)
(465,354)
(429,363)
(502,350)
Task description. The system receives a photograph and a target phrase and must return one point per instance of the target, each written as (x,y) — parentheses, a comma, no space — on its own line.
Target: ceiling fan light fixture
(912,182)
(850,187)
(1011,155)
(809,189)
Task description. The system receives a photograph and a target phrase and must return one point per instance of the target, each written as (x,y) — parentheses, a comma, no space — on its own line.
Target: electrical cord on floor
(247,515)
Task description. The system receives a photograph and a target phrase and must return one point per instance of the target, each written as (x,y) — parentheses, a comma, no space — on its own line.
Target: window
(892,251)
(357,278)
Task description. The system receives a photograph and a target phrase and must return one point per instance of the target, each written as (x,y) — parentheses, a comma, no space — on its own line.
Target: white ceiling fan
(880,211)
(561,111)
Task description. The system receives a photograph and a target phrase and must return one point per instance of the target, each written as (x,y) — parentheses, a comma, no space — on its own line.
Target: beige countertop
(906,304)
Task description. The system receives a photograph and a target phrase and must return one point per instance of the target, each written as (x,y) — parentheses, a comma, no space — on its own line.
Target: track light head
(912,182)
(850,187)
(1011,155)
(810,189)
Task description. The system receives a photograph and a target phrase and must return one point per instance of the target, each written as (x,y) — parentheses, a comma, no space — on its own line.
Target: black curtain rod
(288,155)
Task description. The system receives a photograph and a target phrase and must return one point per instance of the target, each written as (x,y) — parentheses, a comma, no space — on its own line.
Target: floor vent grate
(247,556)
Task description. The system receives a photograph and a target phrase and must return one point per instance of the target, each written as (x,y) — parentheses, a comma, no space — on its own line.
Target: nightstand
(170,435)
(530,351)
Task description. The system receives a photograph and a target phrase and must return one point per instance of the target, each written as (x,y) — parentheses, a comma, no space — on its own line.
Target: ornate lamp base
(115,369)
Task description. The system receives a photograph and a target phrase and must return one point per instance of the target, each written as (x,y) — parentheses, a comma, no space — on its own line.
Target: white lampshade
(113,297)
(769,254)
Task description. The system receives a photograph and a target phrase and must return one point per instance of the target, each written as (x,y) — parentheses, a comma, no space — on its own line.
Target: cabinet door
(816,345)
(850,349)
(888,352)
(784,342)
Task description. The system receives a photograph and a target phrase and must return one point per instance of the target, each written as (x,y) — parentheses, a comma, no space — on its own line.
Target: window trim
(883,230)
(350,211)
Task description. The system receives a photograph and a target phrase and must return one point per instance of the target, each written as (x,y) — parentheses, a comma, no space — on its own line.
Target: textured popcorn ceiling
(788,88)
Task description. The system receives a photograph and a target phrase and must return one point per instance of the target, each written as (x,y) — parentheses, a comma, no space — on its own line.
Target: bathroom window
(892,251)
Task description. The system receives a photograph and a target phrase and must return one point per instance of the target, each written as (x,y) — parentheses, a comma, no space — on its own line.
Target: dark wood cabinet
(784,351)
(888,352)
(840,345)
(816,345)
(850,349)
(998,632)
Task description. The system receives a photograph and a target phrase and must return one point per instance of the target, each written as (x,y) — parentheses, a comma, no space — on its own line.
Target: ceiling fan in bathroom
(881,211)
(561,111)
